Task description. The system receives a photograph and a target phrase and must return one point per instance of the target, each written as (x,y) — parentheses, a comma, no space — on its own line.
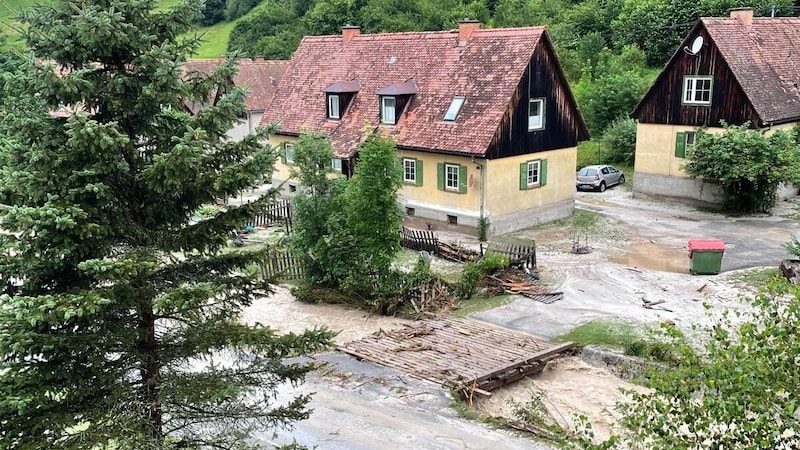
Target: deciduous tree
(348,228)
(739,392)
(747,165)
(119,314)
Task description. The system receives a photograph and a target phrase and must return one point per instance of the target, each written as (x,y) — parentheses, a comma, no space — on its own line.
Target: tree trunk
(151,381)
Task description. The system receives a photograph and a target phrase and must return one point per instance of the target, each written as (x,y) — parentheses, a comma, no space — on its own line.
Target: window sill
(530,130)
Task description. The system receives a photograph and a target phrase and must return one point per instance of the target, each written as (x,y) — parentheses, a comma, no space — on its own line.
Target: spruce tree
(119,314)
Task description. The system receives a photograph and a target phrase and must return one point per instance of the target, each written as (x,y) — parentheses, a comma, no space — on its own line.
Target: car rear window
(587,172)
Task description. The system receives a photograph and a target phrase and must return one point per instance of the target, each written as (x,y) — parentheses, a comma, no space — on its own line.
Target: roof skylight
(455,107)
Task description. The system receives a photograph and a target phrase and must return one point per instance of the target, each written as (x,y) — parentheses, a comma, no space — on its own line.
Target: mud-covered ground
(638,251)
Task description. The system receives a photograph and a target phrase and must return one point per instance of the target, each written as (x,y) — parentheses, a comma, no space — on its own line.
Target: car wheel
(622,179)
(602,187)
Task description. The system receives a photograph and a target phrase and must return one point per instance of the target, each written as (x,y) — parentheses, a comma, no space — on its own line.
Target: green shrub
(652,350)
(483,228)
(475,272)
(619,142)
(207,211)
(468,282)
(492,262)
(588,154)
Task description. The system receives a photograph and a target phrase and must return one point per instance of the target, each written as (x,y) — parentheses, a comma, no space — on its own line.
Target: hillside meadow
(214,45)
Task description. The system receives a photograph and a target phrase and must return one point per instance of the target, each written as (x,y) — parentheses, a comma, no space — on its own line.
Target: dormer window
(338,95)
(393,99)
(333,106)
(454,109)
(388,108)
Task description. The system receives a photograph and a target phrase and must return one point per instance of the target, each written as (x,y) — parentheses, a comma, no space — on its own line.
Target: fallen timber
(465,355)
(516,281)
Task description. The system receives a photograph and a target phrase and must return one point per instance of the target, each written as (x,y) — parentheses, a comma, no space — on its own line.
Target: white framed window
(333,107)
(451,177)
(289,152)
(535,114)
(336,164)
(409,170)
(454,109)
(690,137)
(388,108)
(534,169)
(697,90)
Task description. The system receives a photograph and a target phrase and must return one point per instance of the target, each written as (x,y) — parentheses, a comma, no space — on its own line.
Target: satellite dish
(697,44)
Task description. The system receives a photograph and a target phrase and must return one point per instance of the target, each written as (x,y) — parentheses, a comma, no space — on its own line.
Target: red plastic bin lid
(707,244)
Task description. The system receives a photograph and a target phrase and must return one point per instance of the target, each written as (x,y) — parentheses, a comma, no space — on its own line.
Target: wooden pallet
(463,354)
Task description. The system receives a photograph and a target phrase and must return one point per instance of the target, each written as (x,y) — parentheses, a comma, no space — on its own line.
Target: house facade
(260,77)
(483,119)
(736,69)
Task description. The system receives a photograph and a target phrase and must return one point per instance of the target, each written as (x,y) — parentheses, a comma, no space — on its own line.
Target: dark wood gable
(563,123)
(663,103)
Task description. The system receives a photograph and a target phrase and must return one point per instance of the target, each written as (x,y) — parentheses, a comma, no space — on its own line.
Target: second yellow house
(735,69)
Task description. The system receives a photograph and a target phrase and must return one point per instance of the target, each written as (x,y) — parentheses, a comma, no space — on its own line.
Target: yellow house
(483,119)
(735,69)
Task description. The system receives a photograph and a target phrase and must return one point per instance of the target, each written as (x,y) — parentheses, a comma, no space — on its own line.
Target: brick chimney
(743,15)
(349,32)
(465,29)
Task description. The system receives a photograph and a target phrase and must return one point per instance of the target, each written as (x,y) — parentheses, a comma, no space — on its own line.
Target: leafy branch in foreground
(738,392)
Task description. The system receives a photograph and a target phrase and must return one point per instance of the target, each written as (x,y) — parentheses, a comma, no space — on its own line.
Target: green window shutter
(523,176)
(418,173)
(283,153)
(543,172)
(440,176)
(402,169)
(680,144)
(462,179)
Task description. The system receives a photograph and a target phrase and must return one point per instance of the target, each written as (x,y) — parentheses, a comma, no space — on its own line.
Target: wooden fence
(279,212)
(282,265)
(518,252)
(419,240)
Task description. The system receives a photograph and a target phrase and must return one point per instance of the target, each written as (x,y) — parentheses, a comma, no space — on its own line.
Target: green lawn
(9,26)
(215,38)
(604,332)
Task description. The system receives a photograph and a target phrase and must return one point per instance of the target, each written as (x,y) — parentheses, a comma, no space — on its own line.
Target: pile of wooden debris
(514,280)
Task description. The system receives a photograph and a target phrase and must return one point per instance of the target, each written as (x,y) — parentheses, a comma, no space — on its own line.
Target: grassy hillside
(215,37)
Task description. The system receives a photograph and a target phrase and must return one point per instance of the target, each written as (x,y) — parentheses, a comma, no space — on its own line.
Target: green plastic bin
(705,256)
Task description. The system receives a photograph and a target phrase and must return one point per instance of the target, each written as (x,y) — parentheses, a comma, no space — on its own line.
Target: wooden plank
(533,358)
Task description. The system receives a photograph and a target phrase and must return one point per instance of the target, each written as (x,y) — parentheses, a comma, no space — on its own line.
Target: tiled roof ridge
(755,19)
(259,60)
(400,35)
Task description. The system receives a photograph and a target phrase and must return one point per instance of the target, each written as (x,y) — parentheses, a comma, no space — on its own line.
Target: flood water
(651,256)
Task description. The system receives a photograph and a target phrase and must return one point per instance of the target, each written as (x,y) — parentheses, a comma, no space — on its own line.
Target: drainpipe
(481,168)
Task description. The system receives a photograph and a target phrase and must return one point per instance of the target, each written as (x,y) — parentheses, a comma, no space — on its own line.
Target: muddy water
(647,255)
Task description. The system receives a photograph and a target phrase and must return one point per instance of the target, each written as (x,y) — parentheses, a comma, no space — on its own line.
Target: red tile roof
(765,59)
(260,77)
(486,70)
